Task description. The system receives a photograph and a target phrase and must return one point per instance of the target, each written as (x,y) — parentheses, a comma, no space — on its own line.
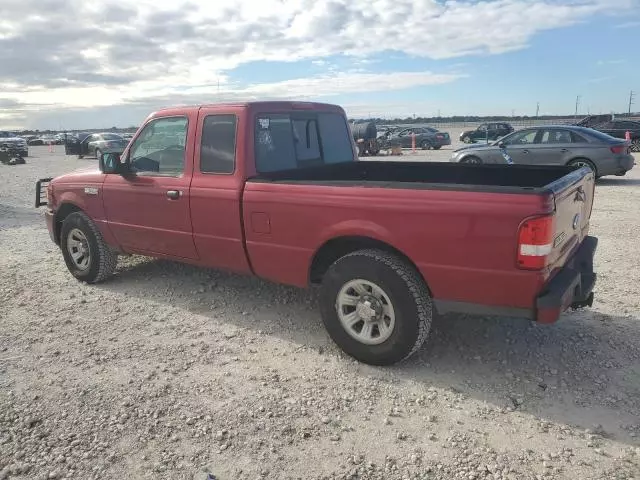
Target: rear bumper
(571,287)
(618,165)
(441,142)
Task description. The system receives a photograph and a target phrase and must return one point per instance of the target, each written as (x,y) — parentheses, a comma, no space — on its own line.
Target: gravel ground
(173,372)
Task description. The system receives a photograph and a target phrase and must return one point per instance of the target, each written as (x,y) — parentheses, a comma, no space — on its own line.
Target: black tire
(426,145)
(584,162)
(98,153)
(80,156)
(635,145)
(406,291)
(102,260)
(466,139)
(471,160)
(437,147)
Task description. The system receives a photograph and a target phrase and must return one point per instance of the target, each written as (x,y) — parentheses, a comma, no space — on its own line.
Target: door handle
(564,150)
(525,151)
(173,194)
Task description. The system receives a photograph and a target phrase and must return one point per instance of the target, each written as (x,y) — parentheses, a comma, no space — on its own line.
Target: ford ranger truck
(275,190)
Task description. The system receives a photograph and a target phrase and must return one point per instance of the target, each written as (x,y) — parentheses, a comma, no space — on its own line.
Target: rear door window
(290,141)
(218,144)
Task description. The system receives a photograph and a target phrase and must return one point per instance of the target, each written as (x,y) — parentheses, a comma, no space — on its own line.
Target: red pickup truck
(275,189)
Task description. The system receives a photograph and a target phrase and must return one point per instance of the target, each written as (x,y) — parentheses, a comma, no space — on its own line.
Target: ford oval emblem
(576,220)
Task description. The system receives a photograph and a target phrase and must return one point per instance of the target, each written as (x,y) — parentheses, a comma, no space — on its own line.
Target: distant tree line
(475,119)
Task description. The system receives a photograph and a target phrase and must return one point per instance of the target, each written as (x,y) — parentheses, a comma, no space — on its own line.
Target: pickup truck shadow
(582,371)
(15,217)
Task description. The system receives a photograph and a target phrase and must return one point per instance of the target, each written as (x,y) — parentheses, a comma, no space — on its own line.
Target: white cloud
(92,53)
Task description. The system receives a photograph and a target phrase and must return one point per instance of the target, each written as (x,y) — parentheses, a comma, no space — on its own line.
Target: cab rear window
(296,140)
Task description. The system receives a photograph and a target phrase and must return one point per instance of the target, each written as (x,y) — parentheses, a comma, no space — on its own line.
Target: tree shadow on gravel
(582,371)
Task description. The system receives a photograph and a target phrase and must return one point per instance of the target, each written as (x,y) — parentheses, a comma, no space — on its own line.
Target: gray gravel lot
(173,372)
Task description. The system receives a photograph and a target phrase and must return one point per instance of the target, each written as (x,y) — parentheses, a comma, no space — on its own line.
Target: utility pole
(631,94)
(577,104)
(537,109)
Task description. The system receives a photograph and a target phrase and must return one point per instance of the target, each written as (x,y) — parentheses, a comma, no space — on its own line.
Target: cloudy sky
(98,63)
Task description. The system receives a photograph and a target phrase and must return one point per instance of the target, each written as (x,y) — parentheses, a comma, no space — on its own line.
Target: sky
(73,64)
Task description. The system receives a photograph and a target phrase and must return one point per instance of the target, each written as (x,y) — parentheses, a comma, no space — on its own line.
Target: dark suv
(486,131)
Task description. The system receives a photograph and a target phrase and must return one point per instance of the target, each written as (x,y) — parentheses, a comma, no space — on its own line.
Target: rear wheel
(583,162)
(375,307)
(466,139)
(425,145)
(85,252)
(635,145)
(471,160)
(437,147)
(98,153)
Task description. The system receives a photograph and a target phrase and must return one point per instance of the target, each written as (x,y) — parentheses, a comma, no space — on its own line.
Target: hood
(476,146)
(87,174)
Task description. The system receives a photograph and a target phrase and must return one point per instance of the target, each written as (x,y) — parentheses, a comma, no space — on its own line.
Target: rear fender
(355,228)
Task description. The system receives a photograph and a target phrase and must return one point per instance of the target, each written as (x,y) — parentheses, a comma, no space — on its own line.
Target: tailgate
(573,198)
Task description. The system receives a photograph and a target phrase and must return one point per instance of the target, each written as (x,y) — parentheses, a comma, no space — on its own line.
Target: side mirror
(110,163)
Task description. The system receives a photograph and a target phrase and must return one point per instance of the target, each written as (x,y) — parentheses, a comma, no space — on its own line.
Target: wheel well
(339,247)
(577,159)
(63,212)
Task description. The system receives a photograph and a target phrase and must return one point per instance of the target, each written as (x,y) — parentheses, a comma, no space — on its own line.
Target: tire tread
(415,284)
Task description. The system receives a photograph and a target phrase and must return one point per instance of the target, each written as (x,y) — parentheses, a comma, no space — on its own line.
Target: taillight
(618,148)
(535,242)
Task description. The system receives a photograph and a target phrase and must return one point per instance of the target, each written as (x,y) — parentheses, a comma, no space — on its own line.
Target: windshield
(290,141)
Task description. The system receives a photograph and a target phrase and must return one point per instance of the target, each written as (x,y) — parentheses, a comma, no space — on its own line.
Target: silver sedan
(554,145)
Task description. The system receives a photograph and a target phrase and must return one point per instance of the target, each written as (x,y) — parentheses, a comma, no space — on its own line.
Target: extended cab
(275,189)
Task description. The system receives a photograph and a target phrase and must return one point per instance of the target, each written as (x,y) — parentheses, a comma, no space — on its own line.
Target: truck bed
(431,175)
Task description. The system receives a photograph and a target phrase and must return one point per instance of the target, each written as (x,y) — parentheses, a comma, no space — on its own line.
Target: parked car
(427,138)
(555,145)
(486,131)
(619,129)
(275,189)
(47,139)
(95,144)
(12,142)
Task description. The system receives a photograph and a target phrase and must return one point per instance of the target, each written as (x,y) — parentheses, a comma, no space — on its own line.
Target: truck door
(148,209)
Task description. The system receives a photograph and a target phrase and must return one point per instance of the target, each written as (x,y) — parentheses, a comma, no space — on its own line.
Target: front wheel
(98,153)
(85,252)
(375,307)
(635,145)
(466,139)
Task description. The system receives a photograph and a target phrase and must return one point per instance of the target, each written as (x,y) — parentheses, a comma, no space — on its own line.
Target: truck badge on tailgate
(90,190)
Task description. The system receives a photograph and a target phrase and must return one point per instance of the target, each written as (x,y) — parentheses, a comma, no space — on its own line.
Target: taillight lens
(618,148)
(535,242)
